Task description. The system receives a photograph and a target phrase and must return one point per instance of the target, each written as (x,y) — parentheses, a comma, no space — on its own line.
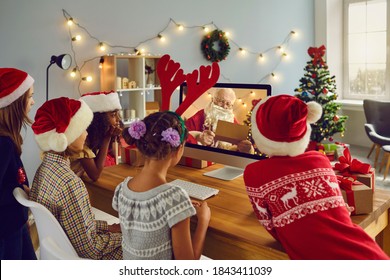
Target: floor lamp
(63,61)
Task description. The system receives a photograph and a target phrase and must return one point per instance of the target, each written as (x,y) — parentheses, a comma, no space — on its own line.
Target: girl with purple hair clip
(154,214)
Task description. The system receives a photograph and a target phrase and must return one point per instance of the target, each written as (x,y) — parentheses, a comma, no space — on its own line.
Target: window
(366,52)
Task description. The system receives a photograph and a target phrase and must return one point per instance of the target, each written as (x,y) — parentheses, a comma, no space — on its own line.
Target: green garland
(223,44)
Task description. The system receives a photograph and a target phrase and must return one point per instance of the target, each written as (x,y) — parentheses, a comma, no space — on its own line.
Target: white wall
(329,32)
(32,31)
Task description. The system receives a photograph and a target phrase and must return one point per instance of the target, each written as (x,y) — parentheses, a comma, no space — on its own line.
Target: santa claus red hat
(281,124)
(13,84)
(59,122)
(102,101)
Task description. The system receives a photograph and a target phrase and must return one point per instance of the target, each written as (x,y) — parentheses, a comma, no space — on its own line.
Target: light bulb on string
(76,38)
(70,21)
(242,51)
(73,73)
(180,27)
(261,57)
(87,79)
(101,62)
(205,29)
(161,37)
(102,47)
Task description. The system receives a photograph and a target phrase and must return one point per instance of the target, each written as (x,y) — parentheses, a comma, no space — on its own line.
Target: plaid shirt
(60,190)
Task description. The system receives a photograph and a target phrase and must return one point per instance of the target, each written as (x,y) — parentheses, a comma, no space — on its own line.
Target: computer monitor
(226,154)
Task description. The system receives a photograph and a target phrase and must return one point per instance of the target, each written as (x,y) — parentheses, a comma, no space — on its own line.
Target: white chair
(54,244)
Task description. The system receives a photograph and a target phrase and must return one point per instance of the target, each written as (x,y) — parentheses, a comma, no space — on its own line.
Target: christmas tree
(248,122)
(318,85)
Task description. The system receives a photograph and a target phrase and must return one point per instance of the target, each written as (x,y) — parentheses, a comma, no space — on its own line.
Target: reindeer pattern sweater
(298,200)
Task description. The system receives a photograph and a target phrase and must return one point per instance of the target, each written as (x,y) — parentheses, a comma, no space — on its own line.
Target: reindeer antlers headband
(171,76)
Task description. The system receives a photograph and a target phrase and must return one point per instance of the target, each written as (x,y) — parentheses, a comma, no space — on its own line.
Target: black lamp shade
(63,61)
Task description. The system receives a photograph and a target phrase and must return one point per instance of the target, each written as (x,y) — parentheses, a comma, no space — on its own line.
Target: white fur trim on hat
(103,102)
(23,87)
(314,111)
(58,142)
(274,148)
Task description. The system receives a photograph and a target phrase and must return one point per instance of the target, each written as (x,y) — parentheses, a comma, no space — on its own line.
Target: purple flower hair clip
(171,136)
(137,129)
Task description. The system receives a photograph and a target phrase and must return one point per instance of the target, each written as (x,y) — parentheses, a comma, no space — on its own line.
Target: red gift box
(356,194)
(349,167)
(196,163)
(132,156)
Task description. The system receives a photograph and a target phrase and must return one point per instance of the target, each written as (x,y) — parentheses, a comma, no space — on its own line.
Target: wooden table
(234,232)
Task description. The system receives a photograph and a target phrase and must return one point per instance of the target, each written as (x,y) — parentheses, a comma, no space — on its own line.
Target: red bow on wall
(317,54)
(348,165)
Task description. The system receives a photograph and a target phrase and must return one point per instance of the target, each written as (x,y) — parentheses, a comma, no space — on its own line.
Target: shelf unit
(132,67)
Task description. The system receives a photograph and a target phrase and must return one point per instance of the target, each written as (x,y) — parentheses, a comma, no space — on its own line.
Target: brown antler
(171,76)
(208,77)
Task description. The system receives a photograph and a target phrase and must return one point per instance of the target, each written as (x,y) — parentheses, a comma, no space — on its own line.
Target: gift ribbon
(317,54)
(348,165)
(346,184)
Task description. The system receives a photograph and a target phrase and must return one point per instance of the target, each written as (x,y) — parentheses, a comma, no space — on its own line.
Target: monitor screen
(218,124)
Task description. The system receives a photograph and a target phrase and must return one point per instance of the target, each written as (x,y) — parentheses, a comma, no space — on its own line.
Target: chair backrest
(54,243)
(378,114)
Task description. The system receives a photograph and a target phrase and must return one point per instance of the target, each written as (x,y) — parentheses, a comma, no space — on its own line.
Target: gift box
(357,195)
(363,172)
(132,156)
(196,163)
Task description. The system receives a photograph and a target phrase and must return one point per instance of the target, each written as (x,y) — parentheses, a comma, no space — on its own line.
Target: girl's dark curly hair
(150,145)
(97,130)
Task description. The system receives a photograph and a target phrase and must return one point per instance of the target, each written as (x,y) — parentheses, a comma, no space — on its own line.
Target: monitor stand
(226,173)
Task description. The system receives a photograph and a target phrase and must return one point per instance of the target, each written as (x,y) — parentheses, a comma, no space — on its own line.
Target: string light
(73,73)
(102,47)
(88,79)
(70,21)
(76,38)
(101,62)
(205,27)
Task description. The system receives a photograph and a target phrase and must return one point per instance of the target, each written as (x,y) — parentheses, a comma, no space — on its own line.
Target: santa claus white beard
(213,113)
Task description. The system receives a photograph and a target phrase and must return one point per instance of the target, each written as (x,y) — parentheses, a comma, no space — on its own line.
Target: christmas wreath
(208,43)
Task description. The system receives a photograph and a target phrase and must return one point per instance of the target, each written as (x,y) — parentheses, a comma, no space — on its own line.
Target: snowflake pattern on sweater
(294,196)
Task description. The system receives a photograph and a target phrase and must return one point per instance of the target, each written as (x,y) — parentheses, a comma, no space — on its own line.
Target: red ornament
(314,75)
(336,118)
(325,91)
(330,139)
(21,176)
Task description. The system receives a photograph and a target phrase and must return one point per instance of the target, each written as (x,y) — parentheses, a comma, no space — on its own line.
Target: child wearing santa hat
(60,131)
(295,194)
(104,130)
(16,90)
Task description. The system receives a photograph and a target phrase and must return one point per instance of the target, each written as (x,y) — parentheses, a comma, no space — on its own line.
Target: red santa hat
(13,84)
(59,122)
(102,101)
(281,124)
